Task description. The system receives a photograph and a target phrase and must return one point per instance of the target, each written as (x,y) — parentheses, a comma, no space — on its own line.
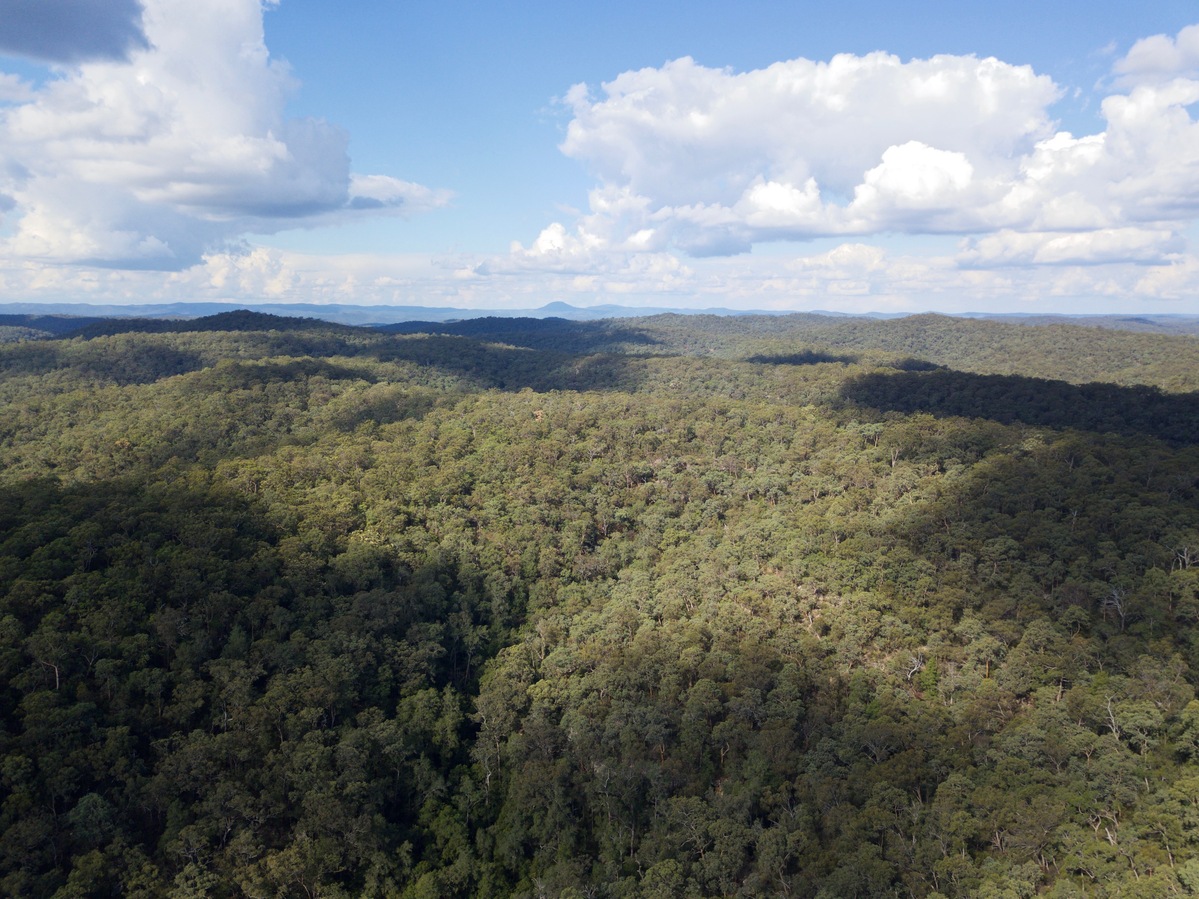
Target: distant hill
(58,318)
(237,320)
(38,326)
(346,314)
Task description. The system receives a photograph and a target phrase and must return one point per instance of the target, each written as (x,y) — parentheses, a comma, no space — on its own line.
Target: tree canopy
(662,607)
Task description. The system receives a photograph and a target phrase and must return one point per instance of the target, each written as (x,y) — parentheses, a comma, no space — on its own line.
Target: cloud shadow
(1104,408)
(556,334)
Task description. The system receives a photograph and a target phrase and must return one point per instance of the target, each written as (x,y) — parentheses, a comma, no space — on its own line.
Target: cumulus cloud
(67,31)
(153,161)
(1161,56)
(13,89)
(855,145)
(711,161)
(685,132)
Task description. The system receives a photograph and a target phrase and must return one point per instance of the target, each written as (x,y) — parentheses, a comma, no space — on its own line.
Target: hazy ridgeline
(676,606)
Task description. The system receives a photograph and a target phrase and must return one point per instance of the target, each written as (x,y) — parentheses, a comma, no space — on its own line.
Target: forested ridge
(676,606)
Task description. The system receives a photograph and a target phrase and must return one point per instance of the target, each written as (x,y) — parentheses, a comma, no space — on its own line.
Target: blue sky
(859,156)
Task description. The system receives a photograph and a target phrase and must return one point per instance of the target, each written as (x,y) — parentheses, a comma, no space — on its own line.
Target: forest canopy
(677,606)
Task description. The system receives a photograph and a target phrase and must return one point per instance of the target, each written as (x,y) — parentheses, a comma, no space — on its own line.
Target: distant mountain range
(390,315)
(349,314)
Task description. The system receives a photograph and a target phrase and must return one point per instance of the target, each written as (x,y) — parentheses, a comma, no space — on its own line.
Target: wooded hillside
(659,607)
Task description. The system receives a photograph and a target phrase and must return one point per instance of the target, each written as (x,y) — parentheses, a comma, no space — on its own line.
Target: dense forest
(792,606)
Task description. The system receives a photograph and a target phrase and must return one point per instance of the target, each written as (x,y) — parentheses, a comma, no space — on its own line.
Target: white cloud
(850,277)
(719,160)
(913,181)
(767,205)
(712,162)
(686,133)
(1106,245)
(14,89)
(154,161)
(1161,56)
(1174,282)
(384,192)
(556,247)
